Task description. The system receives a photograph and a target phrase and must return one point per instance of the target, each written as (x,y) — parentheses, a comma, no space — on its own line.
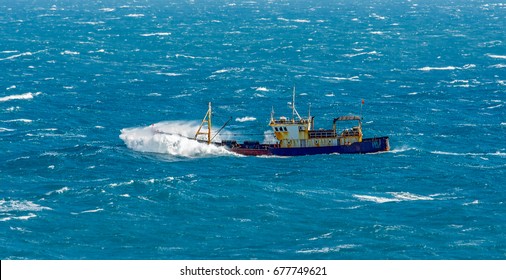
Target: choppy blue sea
(83,84)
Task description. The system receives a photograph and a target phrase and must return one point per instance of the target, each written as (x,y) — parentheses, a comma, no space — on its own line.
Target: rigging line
(240,134)
(219,130)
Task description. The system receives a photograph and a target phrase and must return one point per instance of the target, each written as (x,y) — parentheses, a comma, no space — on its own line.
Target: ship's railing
(322,134)
(351,132)
(286,121)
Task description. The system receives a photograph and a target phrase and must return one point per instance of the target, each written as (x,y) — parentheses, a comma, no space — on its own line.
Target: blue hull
(369,145)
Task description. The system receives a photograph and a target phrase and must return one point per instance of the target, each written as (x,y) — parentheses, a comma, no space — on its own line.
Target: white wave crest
(16,205)
(394,197)
(446,68)
(156,34)
(500,65)
(496,56)
(16,56)
(263,89)
(135,15)
(27,95)
(173,138)
(246,119)
(67,52)
(18,120)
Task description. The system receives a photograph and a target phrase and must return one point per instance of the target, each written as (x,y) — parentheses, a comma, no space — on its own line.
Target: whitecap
(496,56)
(427,68)
(114,185)
(406,196)
(11,87)
(17,55)
(27,95)
(395,197)
(221,71)
(264,89)
(301,20)
(376,16)
(91,211)
(26,217)
(69,53)
(18,120)
(446,68)
(325,250)
(498,66)
(17,205)
(59,191)
(246,119)
(169,74)
(375,198)
(107,9)
(90,22)
(351,79)
(135,15)
(156,34)
(496,106)
(474,202)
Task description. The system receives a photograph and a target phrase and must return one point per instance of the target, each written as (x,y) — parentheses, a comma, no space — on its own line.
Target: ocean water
(84,84)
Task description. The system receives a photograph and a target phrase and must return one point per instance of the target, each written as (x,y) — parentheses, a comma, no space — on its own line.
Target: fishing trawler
(297,137)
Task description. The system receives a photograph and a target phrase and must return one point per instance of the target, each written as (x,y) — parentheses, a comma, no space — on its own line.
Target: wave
(496,56)
(294,20)
(27,95)
(173,138)
(361,53)
(18,120)
(91,211)
(135,15)
(171,74)
(17,55)
(3,129)
(8,209)
(500,65)
(325,250)
(69,53)
(394,197)
(246,119)
(402,149)
(446,68)
(351,79)
(263,89)
(497,153)
(59,191)
(156,34)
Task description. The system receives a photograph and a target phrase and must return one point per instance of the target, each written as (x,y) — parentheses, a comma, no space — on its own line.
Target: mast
(294,111)
(293,104)
(206,120)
